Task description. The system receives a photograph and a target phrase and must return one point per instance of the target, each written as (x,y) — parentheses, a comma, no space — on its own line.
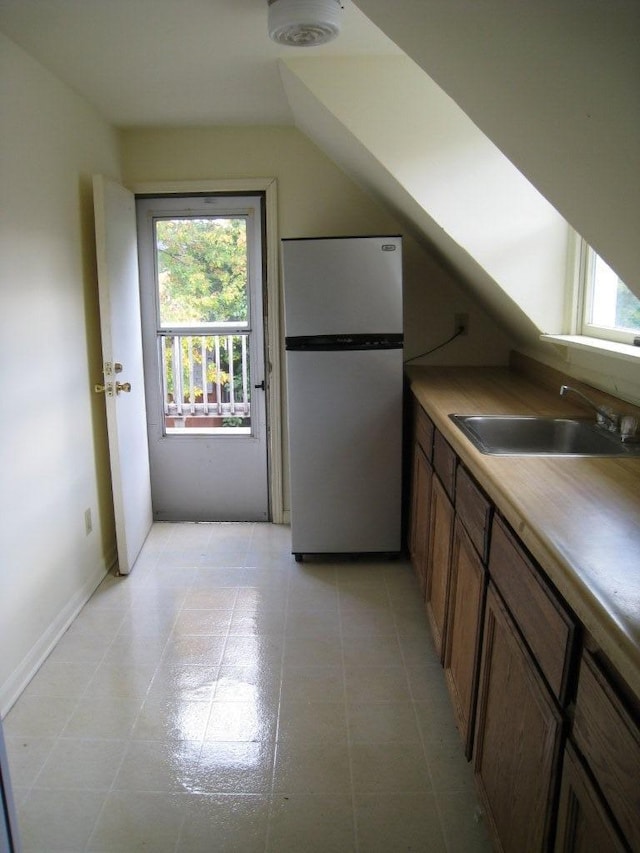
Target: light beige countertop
(578,516)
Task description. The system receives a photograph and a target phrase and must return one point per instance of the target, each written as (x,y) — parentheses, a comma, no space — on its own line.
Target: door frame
(9,833)
(271,307)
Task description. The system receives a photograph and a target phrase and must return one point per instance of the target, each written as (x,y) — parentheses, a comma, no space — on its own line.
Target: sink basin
(521,435)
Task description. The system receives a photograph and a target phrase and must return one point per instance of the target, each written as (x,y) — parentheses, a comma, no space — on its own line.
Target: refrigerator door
(347,285)
(345,434)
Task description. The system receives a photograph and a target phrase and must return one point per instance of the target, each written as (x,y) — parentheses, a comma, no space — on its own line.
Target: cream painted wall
(52,433)
(316,198)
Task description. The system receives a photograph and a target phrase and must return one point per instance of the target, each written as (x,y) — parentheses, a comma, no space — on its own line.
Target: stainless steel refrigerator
(343,338)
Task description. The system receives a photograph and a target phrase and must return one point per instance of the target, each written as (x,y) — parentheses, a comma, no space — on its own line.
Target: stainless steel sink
(519,435)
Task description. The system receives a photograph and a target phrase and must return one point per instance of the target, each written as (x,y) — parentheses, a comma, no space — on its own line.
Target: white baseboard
(14,685)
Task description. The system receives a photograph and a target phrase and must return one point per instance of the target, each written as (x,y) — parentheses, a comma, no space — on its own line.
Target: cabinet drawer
(444,463)
(610,742)
(423,430)
(474,510)
(546,627)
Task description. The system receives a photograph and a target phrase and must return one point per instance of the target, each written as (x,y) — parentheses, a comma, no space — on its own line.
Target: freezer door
(345,434)
(336,286)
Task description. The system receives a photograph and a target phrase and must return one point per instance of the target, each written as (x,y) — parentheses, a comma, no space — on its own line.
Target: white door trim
(272,309)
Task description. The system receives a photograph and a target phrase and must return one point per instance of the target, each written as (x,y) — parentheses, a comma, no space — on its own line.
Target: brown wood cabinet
(608,738)
(517,739)
(545,625)
(584,825)
(444,463)
(475,511)
(423,430)
(420,515)
(420,507)
(439,561)
(556,753)
(466,600)
(464,631)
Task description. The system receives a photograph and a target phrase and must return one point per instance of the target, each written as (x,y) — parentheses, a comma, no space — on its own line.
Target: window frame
(582,300)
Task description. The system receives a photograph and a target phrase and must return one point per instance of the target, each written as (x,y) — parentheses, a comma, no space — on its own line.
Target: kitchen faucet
(605,417)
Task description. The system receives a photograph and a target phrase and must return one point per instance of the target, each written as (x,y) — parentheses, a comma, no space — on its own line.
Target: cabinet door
(584,825)
(420,511)
(517,737)
(464,630)
(608,737)
(440,536)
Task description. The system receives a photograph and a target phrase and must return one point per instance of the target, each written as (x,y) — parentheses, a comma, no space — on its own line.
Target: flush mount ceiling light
(304,23)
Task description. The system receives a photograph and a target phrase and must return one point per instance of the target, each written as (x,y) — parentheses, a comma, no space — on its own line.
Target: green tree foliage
(202,270)
(627,308)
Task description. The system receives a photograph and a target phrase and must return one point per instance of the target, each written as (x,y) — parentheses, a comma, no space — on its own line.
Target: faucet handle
(629,428)
(607,418)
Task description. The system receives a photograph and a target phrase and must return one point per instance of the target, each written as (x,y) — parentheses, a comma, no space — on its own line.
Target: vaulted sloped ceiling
(556,86)
(484,109)
(389,126)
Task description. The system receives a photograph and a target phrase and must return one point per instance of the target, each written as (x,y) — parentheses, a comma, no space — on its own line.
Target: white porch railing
(206,376)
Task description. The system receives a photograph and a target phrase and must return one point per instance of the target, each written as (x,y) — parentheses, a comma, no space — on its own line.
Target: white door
(123,384)
(202,274)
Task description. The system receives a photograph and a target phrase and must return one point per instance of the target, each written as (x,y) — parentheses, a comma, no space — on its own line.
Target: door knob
(123,386)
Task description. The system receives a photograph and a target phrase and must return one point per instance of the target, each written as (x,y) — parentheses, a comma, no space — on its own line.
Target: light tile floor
(226,698)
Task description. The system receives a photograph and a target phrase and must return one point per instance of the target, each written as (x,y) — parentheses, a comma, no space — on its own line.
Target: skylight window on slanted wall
(601,344)
(602,313)
(606,307)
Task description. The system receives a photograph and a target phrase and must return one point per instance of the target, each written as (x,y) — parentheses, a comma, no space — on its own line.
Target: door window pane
(202,271)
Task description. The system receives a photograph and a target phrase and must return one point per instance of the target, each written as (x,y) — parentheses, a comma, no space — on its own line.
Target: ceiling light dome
(304,23)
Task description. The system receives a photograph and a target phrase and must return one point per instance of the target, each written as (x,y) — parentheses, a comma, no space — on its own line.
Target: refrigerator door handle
(338,342)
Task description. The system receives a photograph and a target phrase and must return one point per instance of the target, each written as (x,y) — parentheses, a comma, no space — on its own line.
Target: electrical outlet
(88,521)
(461,324)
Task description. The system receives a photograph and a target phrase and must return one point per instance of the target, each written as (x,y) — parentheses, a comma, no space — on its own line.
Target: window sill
(626,352)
